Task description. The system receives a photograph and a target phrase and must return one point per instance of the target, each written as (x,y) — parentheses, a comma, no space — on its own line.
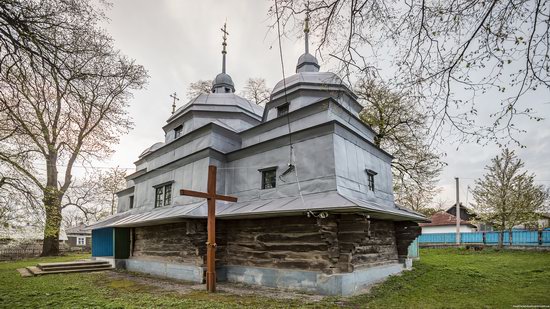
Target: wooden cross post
(211,197)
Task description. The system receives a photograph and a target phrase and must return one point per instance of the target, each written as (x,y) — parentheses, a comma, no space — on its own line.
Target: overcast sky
(179,42)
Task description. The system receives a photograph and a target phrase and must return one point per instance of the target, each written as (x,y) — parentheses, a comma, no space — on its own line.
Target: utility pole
(457,212)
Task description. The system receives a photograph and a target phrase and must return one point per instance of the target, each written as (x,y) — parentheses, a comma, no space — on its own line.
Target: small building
(465,212)
(444,222)
(79,237)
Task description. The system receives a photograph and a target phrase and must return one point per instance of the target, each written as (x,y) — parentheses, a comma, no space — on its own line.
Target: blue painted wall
(102,242)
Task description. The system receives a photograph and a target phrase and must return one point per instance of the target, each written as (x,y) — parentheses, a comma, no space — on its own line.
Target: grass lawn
(444,278)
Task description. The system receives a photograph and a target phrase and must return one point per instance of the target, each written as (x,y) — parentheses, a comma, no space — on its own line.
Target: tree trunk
(500,239)
(510,236)
(52,205)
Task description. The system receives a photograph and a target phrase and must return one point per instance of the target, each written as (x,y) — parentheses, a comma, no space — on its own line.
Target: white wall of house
(446,229)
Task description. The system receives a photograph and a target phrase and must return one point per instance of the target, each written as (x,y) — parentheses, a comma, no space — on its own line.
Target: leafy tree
(507,196)
(256,91)
(61,102)
(437,48)
(199,87)
(402,131)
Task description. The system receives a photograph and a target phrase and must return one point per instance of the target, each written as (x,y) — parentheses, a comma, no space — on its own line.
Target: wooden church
(314,206)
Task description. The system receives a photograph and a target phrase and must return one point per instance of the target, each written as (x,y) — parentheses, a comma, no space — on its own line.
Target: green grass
(444,278)
(457,278)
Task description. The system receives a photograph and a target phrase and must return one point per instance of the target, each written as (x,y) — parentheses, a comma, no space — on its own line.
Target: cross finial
(224,44)
(175,97)
(306,28)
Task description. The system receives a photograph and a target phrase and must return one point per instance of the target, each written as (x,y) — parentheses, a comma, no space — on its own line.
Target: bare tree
(18,200)
(113,181)
(402,130)
(199,87)
(506,196)
(437,49)
(32,29)
(68,109)
(93,196)
(256,91)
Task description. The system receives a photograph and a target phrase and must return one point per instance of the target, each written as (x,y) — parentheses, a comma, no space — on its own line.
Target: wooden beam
(226,198)
(195,193)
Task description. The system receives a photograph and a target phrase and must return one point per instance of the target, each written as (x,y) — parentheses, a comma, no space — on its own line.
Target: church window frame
(159,196)
(167,194)
(163,194)
(178,131)
(269,177)
(131,202)
(370,179)
(282,110)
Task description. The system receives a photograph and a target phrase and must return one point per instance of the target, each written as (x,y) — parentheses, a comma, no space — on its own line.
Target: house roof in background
(462,207)
(79,229)
(443,218)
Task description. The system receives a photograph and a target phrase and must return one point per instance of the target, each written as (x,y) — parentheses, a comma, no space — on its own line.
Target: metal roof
(331,201)
(320,79)
(227,99)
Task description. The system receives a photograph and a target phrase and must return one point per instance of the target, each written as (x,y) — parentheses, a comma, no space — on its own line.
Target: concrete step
(75,263)
(24,272)
(69,267)
(38,272)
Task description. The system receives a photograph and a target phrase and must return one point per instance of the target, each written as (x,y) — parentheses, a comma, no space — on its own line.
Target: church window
(159,196)
(370,179)
(177,131)
(167,194)
(269,178)
(282,110)
(131,201)
(163,194)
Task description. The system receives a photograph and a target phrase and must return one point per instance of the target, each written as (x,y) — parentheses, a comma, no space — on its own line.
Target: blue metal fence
(520,238)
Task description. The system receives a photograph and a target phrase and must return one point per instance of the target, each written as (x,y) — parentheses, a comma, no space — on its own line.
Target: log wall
(339,243)
(181,242)
(405,233)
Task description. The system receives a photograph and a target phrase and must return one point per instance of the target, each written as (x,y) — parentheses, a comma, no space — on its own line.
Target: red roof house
(443,222)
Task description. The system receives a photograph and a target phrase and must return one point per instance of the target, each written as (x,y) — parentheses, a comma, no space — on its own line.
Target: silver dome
(223,84)
(307,63)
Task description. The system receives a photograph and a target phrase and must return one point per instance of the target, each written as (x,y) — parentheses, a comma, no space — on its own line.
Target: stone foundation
(291,279)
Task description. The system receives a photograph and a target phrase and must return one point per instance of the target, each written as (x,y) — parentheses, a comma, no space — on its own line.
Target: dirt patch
(126,279)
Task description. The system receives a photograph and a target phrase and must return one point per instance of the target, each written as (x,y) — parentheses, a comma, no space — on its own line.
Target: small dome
(223,84)
(153,147)
(307,63)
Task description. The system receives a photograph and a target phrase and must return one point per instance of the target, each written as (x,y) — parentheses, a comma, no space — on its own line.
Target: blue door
(102,242)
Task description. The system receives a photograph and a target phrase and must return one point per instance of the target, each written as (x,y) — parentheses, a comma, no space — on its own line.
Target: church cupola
(307,62)
(223,82)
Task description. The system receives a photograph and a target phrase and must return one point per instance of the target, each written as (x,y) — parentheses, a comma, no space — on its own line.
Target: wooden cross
(174,96)
(211,196)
